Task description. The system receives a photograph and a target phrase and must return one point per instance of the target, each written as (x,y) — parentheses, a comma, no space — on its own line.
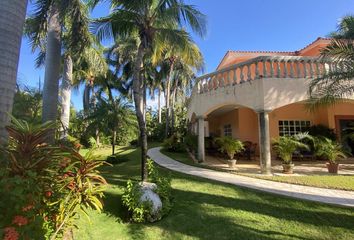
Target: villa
(256,96)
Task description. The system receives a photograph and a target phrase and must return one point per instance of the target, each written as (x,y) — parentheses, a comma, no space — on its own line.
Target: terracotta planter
(332,167)
(232,163)
(288,168)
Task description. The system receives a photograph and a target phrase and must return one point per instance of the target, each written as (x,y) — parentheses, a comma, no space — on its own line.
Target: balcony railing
(264,67)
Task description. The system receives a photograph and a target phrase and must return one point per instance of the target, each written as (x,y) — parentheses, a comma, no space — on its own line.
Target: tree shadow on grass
(189,217)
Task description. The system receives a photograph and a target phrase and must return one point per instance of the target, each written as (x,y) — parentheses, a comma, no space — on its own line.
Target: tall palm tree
(154,21)
(66,30)
(52,65)
(12,17)
(57,25)
(338,83)
(187,55)
(111,111)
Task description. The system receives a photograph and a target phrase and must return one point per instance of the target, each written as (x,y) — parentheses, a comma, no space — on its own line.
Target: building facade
(256,96)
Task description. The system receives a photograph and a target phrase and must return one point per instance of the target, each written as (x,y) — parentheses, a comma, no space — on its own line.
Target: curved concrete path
(331,196)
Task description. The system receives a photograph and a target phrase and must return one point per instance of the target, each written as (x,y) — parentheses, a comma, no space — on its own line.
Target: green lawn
(205,209)
(344,182)
(324,181)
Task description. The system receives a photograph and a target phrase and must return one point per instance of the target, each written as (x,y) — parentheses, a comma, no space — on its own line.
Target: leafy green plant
(139,211)
(93,143)
(174,144)
(142,211)
(229,146)
(329,149)
(115,159)
(164,189)
(285,146)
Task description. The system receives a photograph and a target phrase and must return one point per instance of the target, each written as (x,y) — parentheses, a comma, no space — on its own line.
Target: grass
(205,209)
(324,181)
(343,182)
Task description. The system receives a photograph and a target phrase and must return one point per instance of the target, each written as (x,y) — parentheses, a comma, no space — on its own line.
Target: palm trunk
(12,17)
(114,136)
(167,97)
(94,101)
(173,100)
(144,101)
(66,95)
(159,105)
(138,98)
(52,68)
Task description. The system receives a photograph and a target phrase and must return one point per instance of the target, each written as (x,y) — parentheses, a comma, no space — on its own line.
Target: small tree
(229,146)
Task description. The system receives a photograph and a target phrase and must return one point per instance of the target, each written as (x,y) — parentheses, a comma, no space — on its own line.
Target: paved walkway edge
(330,196)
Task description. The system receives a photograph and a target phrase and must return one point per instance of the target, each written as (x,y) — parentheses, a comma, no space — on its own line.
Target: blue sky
(237,25)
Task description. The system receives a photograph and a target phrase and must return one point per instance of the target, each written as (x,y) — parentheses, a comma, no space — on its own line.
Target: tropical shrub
(115,159)
(174,144)
(285,146)
(141,211)
(229,146)
(134,143)
(329,149)
(322,131)
(43,187)
(191,141)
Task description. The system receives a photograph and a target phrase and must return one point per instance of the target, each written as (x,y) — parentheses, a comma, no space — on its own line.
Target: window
(291,127)
(228,130)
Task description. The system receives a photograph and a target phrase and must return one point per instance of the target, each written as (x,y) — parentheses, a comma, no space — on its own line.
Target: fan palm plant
(154,21)
(338,83)
(12,17)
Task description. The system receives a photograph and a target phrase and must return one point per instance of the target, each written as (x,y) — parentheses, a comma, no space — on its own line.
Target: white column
(201,148)
(264,142)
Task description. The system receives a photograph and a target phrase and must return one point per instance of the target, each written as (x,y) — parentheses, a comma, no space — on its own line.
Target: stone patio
(302,167)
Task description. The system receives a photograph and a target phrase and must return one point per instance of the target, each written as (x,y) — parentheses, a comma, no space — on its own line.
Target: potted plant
(230,147)
(330,151)
(285,146)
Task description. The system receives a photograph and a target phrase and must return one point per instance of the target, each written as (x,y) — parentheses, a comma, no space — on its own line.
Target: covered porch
(257,129)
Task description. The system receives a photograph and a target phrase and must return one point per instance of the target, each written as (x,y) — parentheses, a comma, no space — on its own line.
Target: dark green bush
(174,144)
(134,143)
(322,131)
(191,141)
(115,159)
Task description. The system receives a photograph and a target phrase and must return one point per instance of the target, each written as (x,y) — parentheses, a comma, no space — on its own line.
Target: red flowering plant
(43,187)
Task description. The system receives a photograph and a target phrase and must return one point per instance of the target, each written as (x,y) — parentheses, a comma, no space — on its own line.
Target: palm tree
(111,112)
(52,65)
(68,31)
(12,17)
(338,83)
(55,26)
(154,21)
